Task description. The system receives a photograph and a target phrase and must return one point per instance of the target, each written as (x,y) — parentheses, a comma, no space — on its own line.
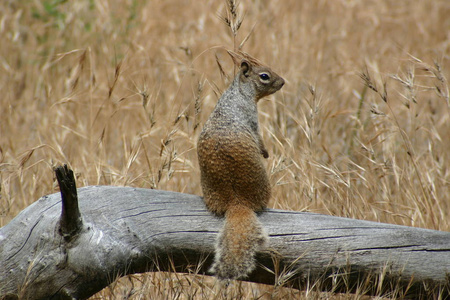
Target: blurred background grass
(119,90)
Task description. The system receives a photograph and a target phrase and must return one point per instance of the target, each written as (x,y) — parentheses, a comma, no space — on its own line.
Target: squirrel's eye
(264,76)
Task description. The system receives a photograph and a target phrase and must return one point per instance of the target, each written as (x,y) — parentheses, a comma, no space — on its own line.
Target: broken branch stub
(71,221)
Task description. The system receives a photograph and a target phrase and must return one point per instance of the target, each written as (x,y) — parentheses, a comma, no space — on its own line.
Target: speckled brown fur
(233,176)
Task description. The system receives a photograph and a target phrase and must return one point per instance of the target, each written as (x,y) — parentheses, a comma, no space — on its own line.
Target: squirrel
(234,180)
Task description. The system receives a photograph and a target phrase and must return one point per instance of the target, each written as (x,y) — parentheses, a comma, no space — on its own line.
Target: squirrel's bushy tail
(239,240)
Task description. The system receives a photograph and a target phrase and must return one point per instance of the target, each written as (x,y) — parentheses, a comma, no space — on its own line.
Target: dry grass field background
(119,90)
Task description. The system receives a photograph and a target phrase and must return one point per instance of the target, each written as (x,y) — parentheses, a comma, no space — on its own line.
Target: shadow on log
(73,248)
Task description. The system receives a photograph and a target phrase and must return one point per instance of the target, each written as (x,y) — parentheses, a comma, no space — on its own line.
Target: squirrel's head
(263,79)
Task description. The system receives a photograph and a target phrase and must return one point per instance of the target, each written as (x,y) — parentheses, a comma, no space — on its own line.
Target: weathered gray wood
(128,230)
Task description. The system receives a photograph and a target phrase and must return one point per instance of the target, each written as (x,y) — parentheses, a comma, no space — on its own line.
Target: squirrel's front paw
(264,153)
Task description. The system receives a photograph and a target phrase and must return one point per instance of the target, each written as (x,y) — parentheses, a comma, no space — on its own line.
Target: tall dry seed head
(232,19)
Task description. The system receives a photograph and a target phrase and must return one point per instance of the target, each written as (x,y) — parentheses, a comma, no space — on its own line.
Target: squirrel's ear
(245,67)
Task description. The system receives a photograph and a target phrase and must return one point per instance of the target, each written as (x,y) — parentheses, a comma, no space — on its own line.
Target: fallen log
(72,245)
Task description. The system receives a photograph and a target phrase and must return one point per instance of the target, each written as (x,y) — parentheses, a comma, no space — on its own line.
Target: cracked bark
(123,230)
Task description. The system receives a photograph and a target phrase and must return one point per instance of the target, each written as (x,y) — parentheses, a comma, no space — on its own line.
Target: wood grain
(130,230)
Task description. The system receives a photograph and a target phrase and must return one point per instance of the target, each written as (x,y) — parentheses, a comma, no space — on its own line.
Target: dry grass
(119,90)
